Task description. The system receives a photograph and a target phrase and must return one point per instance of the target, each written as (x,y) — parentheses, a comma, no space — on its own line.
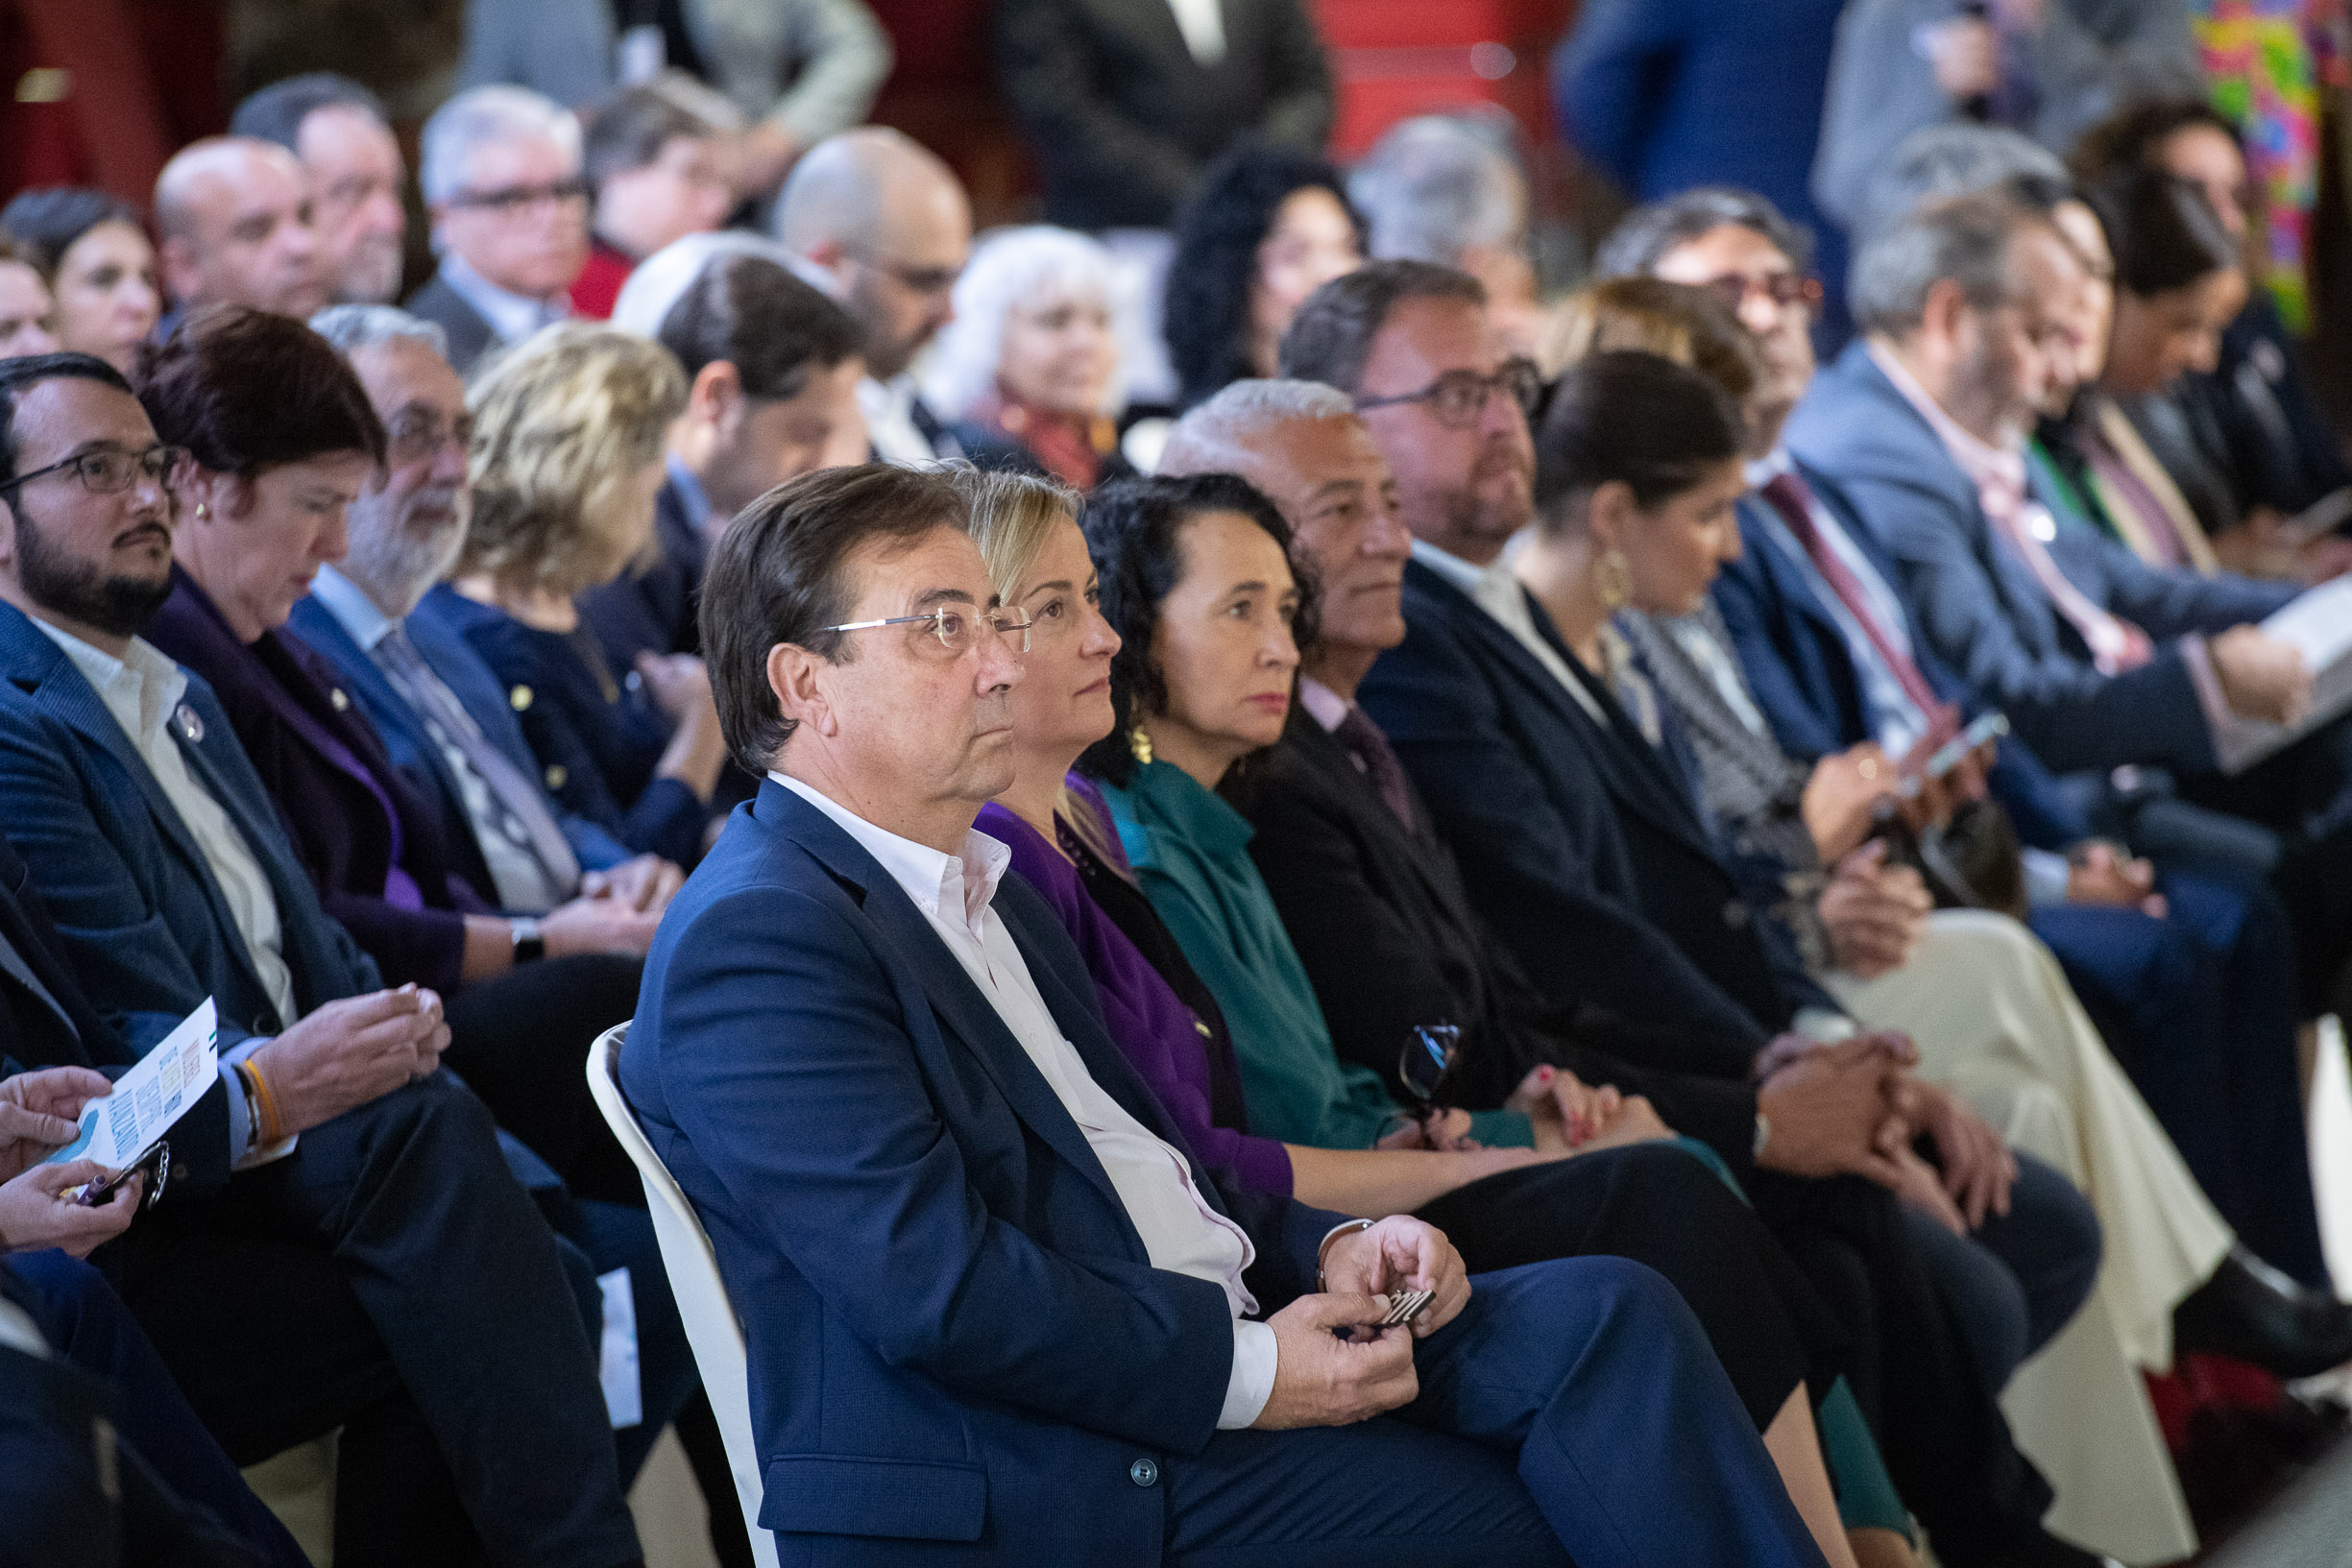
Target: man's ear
(1942,316)
(796,679)
(718,390)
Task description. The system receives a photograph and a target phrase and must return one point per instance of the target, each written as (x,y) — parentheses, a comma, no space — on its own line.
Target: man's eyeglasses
(514,200)
(112,472)
(913,280)
(956,629)
(1786,290)
(1457,398)
(415,438)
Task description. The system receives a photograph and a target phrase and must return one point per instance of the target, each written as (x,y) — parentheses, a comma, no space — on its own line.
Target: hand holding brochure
(2319,622)
(118,1130)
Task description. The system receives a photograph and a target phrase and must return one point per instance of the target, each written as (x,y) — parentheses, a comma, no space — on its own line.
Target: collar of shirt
(955,887)
(349,603)
(1997,472)
(1203,26)
(1325,705)
(1770,467)
(512,316)
(1494,589)
(1199,816)
(140,688)
(888,407)
(690,489)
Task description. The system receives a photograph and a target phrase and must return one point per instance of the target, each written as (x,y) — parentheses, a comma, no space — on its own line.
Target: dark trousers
(2021,1277)
(521,1041)
(1658,1206)
(1572,1405)
(391,1278)
(196,1507)
(2199,1010)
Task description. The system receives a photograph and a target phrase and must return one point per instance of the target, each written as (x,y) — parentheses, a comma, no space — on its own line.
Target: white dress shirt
(142,689)
(1202,22)
(1500,594)
(888,407)
(1180,1231)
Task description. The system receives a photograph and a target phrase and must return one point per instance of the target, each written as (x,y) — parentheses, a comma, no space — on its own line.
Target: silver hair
(1208,438)
(1941,160)
(479,116)
(1434,187)
(354,328)
(1032,265)
(1965,239)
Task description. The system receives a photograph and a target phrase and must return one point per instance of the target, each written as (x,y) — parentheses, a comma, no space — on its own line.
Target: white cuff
(1253,1381)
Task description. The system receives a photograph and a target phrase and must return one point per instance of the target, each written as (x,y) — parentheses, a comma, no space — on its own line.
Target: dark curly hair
(1132,531)
(2131,137)
(1206,321)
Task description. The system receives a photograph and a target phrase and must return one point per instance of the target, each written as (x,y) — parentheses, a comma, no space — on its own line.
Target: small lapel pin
(334,694)
(190,725)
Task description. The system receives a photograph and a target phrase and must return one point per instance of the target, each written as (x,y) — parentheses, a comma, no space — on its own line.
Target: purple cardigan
(1154,1031)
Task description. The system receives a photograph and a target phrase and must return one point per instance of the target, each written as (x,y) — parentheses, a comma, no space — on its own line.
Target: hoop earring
(1140,744)
(1612,579)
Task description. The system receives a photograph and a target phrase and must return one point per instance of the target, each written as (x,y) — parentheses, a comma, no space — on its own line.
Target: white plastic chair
(710,1324)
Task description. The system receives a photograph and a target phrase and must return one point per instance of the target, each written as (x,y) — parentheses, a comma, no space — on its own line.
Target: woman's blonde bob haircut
(1011,515)
(564,425)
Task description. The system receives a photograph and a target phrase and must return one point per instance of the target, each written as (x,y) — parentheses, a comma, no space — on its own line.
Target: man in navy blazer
(368,1262)
(2192,990)
(995,1311)
(2098,659)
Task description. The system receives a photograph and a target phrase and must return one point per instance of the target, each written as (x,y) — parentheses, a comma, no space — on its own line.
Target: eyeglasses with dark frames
(1425,1064)
(1457,398)
(514,200)
(110,472)
(956,628)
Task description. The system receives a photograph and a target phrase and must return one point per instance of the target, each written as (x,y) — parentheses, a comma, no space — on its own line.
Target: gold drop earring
(1612,579)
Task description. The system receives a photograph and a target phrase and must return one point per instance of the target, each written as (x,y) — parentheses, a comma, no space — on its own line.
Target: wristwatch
(529,945)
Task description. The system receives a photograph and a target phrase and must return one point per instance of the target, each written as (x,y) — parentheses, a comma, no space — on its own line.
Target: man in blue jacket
(995,1313)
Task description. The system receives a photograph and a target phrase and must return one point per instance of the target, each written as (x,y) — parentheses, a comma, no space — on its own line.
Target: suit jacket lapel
(969,1017)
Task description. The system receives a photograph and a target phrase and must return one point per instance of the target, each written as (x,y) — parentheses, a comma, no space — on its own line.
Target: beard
(397,564)
(371,271)
(80,590)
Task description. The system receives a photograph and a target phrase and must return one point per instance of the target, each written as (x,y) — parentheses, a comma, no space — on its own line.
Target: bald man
(890,224)
(237,220)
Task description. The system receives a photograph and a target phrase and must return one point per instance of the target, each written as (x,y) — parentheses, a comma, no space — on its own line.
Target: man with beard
(394,1280)
(439,710)
(339,131)
(890,225)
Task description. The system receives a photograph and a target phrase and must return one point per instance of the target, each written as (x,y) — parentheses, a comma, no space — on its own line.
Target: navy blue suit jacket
(143,922)
(1982,612)
(1580,849)
(476,689)
(1804,678)
(958,1346)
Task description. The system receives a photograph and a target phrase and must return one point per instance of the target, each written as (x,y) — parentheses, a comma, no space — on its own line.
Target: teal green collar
(1163,798)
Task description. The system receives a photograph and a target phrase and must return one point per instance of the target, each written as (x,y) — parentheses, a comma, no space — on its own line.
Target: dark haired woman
(1502,1206)
(1267,228)
(100,267)
(281,440)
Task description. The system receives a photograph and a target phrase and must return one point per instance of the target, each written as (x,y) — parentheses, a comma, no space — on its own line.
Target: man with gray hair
(441,712)
(1445,189)
(502,183)
(890,226)
(238,228)
(339,131)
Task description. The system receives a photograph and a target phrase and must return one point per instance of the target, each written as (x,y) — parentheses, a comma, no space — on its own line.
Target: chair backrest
(710,1324)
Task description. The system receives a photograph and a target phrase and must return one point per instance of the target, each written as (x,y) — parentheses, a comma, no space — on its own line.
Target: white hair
(354,328)
(479,116)
(661,278)
(1433,187)
(1213,436)
(1034,266)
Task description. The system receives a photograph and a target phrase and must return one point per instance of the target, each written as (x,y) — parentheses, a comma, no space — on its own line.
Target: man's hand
(645,883)
(1875,913)
(1324,1381)
(1401,1253)
(1978,1169)
(350,1051)
(588,925)
(36,1213)
(1916,1184)
(41,1110)
(2262,678)
(1830,1112)
(1840,794)
(2102,875)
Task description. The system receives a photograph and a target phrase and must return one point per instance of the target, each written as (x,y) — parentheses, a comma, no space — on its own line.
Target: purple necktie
(1373,754)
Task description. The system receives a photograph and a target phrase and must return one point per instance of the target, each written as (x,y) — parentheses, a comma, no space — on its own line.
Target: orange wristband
(265,1104)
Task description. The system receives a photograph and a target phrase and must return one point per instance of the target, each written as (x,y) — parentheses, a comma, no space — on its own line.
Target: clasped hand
(1322,1380)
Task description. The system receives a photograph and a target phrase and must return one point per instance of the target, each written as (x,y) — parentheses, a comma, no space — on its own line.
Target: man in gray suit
(501,178)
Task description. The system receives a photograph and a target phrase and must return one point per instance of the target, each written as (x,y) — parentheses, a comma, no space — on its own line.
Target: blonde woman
(568,432)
